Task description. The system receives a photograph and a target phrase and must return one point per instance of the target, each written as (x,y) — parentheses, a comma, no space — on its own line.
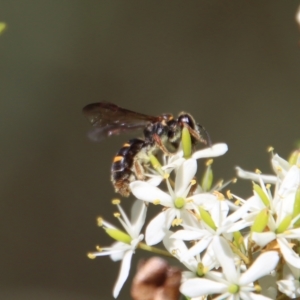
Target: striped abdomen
(122,169)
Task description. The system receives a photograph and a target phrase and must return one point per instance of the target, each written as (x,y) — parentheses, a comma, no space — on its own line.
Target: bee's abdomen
(122,167)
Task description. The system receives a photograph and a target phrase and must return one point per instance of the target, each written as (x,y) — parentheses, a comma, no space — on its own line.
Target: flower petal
(184,175)
(225,258)
(252,296)
(138,216)
(263,238)
(262,266)
(189,235)
(197,287)
(199,246)
(291,288)
(123,274)
(289,255)
(213,151)
(279,163)
(147,192)
(255,177)
(219,212)
(203,199)
(179,247)
(156,229)
(154,179)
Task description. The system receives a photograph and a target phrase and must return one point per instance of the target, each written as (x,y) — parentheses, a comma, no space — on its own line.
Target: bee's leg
(138,170)
(198,137)
(160,145)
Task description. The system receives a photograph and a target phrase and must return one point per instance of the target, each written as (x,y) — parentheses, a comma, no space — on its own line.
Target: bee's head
(198,132)
(186,119)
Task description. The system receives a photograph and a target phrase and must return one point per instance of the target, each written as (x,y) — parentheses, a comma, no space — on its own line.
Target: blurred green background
(235,65)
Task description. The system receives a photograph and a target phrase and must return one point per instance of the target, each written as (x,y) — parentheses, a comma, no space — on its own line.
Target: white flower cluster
(226,246)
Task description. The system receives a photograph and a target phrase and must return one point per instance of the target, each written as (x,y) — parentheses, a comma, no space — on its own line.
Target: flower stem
(145,247)
(239,253)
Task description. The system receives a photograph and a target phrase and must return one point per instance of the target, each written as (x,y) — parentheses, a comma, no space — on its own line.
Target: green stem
(239,253)
(145,247)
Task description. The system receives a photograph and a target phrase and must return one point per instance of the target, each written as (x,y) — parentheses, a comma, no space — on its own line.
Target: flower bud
(260,221)
(118,235)
(296,210)
(285,223)
(186,143)
(261,194)
(207,177)
(206,217)
(294,157)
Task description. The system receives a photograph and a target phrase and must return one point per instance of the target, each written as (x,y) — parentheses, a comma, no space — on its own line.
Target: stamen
(219,195)
(116,201)
(100,222)
(117,215)
(209,162)
(229,195)
(166,175)
(176,222)
(237,202)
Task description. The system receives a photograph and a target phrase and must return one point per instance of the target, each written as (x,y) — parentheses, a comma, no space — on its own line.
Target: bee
(162,132)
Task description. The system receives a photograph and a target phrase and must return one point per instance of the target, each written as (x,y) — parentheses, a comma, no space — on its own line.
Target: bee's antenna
(208,139)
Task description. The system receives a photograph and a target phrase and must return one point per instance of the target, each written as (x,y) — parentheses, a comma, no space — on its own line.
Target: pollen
(126,145)
(237,202)
(91,256)
(166,175)
(209,162)
(117,158)
(117,215)
(174,252)
(268,185)
(270,149)
(219,195)
(176,222)
(257,171)
(193,182)
(257,288)
(220,183)
(100,221)
(156,202)
(229,195)
(234,180)
(115,201)
(98,248)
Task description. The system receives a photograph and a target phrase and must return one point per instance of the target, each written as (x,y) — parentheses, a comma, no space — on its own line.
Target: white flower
(290,286)
(231,284)
(124,248)
(280,210)
(173,162)
(215,150)
(179,249)
(176,203)
(204,231)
